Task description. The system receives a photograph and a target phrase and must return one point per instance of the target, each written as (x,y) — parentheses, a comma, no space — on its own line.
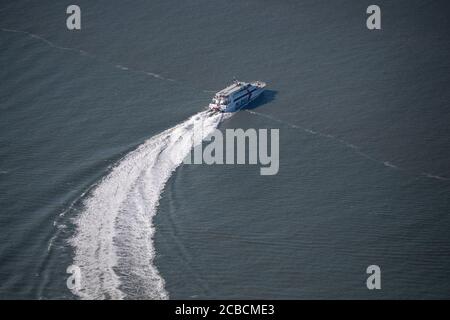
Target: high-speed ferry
(236,96)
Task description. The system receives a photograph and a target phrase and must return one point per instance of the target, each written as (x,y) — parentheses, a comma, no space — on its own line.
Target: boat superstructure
(236,96)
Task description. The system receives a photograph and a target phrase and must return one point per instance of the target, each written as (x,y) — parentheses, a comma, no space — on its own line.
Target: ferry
(236,96)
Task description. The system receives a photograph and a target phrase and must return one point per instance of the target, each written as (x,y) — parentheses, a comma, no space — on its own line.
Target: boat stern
(215,107)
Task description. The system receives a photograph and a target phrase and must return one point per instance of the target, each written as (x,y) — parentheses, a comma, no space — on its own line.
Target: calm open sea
(91,141)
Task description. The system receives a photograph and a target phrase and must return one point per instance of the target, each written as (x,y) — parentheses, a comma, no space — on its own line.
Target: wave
(113,243)
(85,54)
(349,145)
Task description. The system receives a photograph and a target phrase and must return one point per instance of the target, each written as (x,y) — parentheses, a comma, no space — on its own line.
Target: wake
(114,233)
(351,146)
(86,54)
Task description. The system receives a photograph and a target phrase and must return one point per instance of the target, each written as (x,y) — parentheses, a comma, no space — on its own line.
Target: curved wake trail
(114,239)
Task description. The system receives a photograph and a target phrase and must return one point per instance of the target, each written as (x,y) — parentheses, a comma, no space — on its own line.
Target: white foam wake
(113,243)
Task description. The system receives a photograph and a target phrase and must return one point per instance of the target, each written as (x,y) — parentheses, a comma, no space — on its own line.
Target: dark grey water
(364,150)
